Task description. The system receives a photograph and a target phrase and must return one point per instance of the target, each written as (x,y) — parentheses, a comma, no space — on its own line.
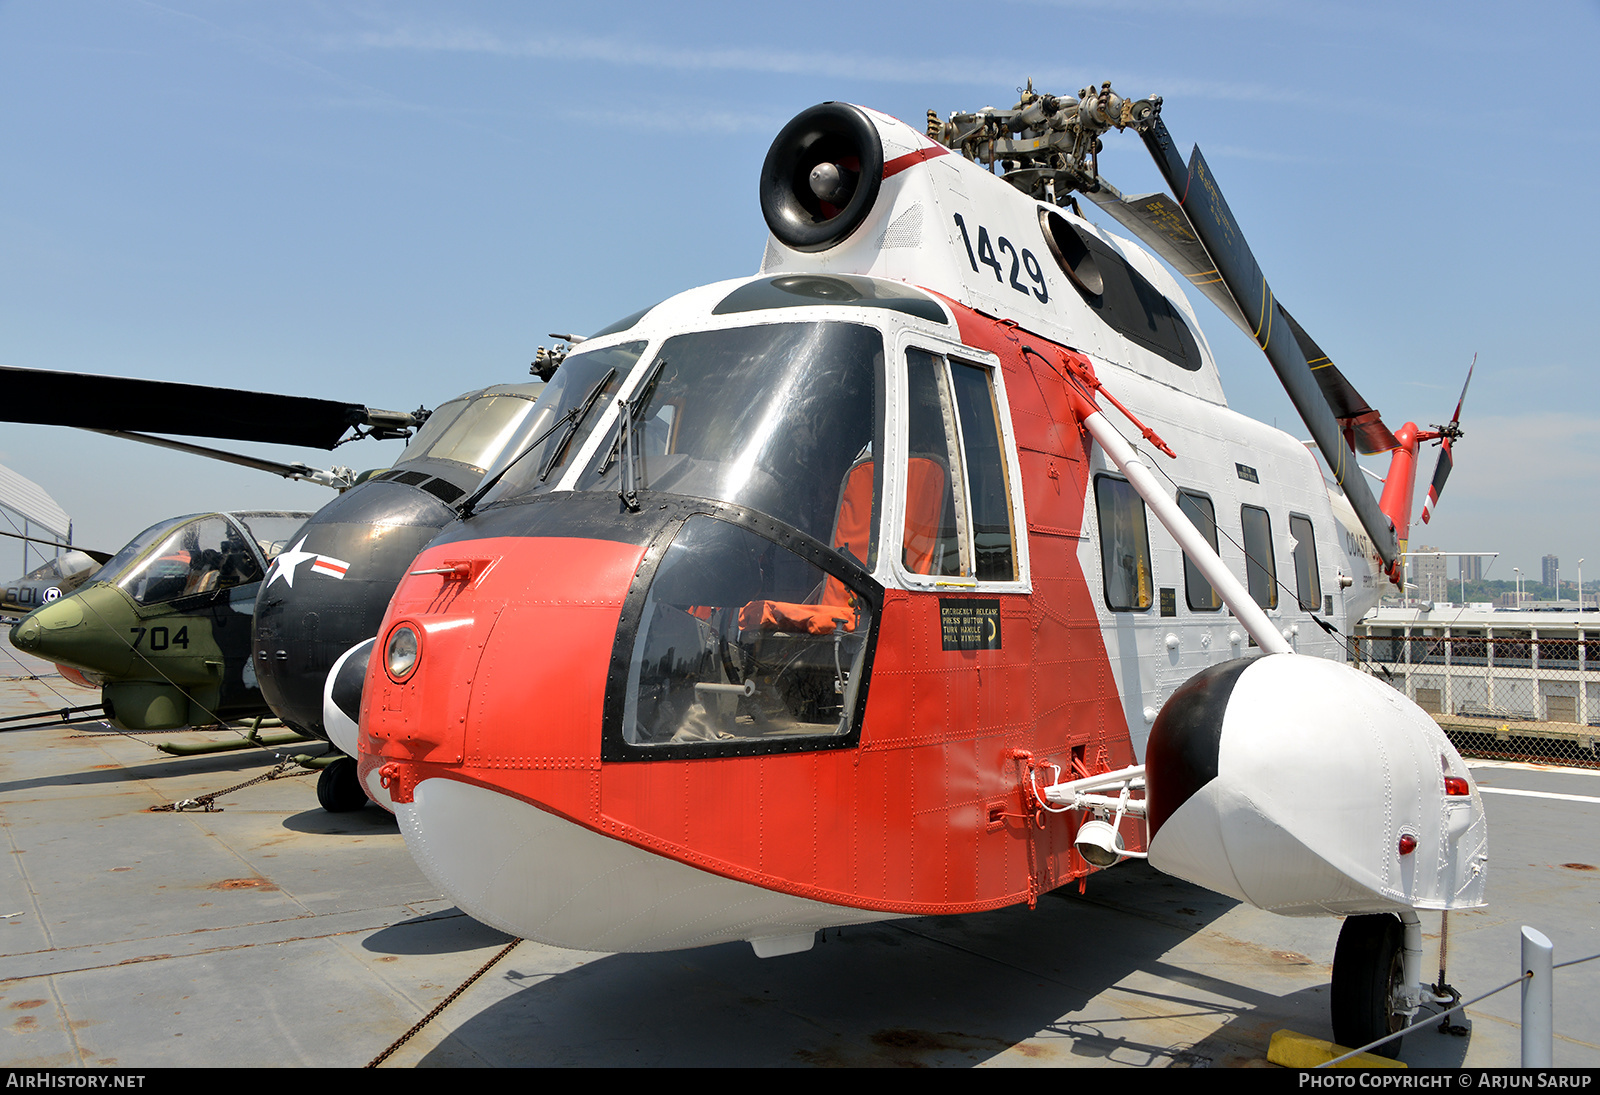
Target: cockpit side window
(958,516)
(988,488)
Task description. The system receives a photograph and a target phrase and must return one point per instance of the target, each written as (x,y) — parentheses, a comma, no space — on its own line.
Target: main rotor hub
(1047,146)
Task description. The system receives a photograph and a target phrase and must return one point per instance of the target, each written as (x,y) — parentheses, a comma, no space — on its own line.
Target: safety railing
(1508,692)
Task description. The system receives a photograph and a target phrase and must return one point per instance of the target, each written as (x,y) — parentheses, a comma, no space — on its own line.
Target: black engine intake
(821,177)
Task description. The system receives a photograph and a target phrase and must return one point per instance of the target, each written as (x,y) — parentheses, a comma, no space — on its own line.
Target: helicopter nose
(43,631)
(493,651)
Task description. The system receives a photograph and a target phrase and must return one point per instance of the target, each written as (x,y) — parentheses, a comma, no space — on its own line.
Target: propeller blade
(49,398)
(1455,418)
(1441,470)
(1217,230)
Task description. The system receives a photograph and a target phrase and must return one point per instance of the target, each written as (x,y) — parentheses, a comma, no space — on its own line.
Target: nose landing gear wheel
(339,788)
(1368,976)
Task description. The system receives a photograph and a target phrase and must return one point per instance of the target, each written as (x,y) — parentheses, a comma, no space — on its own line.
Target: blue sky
(394,202)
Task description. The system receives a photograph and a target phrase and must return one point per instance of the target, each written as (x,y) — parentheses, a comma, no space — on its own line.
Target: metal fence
(1521,692)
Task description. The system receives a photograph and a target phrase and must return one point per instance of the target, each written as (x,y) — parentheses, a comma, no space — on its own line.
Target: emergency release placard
(970,623)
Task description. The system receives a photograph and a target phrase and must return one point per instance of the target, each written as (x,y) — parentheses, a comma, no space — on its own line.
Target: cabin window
(1260,569)
(743,643)
(958,516)
(1308,584)
(1124,544)
(1198,508)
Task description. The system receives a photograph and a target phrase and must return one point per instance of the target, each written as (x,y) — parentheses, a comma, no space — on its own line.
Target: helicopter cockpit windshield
(746,637)
(754,628)
(772,417)
(136,548)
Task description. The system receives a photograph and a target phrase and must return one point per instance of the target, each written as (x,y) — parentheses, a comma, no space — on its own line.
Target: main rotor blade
(101,557)
(156,406)
(1363,428)
(338,480)
(1219,233)
(1455,418)
(1162,225)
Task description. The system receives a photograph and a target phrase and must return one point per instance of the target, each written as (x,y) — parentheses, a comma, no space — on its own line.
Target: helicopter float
(838,596)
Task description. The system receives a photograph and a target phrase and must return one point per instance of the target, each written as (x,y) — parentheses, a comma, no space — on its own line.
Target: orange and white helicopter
(832,594)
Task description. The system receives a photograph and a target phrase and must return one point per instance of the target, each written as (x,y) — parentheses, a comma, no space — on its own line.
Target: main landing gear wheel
(339,788)
(1368,979)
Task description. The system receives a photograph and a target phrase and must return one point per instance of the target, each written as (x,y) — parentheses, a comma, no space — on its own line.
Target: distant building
(1428,575)
(1552,567)
(1471,568)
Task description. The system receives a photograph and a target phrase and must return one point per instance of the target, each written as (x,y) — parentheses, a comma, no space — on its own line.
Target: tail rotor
(1447,436)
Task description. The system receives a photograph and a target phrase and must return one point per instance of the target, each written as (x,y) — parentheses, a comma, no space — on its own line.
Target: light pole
(1580,585)
(1518,572)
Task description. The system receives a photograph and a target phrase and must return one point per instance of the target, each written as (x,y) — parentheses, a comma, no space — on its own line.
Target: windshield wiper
(572,419)
(579,413)
(628,490)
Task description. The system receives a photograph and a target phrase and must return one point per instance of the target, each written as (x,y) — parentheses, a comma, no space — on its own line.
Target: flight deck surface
(271,933)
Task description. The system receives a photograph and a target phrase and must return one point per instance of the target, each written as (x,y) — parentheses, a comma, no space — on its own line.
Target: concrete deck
(272,933)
